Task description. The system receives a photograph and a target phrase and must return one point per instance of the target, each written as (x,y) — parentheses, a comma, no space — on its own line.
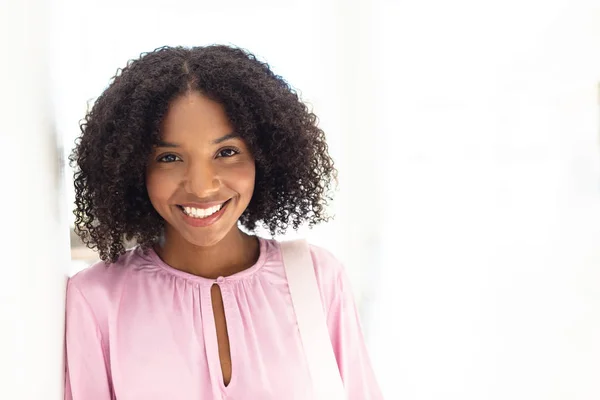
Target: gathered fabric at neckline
(150,255)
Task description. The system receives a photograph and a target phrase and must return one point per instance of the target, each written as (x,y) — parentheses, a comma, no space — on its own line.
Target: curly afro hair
(294,172)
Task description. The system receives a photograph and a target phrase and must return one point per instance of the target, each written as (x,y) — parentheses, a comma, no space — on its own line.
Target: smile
(201,212)
(203,216)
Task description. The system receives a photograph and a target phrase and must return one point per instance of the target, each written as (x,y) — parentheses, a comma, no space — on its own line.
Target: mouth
(203,213)
(201,217)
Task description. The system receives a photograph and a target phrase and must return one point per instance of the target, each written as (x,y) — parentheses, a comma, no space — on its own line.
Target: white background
(466,134)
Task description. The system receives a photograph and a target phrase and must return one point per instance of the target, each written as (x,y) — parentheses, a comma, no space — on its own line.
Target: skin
(201,160)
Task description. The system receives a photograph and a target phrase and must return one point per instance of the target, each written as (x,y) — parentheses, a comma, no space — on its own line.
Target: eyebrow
(222,139)
(166,144)
(225,138)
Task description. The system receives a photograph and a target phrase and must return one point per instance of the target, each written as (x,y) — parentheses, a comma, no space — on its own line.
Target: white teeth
(201,212)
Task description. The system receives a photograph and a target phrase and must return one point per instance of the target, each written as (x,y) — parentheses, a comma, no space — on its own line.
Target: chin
(204,240)
(208,236)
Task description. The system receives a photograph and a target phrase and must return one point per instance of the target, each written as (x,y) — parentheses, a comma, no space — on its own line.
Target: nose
(201,179)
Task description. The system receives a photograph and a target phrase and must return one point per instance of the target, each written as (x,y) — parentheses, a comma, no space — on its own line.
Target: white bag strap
(307,303)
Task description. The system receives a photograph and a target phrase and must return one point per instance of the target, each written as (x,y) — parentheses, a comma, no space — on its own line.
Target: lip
(203,222)
(203,205)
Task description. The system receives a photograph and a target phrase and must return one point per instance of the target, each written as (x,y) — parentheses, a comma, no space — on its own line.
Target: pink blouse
(142,330)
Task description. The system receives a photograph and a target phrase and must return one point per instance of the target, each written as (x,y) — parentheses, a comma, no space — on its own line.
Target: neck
(236,252)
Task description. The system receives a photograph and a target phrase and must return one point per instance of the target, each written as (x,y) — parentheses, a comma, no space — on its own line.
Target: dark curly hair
(294,171)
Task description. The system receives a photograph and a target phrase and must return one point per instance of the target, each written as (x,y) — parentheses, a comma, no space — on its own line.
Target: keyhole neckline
(245,274)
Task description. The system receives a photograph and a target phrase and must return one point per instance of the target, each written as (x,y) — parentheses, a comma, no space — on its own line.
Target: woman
(185,147)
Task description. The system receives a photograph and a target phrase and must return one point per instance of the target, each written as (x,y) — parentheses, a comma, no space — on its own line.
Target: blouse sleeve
(349,344)
(87,375)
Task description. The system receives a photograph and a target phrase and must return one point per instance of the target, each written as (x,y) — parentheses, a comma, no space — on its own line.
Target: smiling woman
(182,150)
(157,100)
(200,174)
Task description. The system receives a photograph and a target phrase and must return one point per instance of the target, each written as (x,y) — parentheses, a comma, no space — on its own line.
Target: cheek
(241,179)
(160,186)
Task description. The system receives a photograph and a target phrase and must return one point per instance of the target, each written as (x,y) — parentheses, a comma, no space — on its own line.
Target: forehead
(195,115)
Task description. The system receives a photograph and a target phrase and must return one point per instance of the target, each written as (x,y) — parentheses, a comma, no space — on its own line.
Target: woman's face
(200,178)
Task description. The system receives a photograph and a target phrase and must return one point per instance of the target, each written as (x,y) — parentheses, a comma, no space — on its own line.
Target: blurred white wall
(466,134)
(34,239)
(488,125)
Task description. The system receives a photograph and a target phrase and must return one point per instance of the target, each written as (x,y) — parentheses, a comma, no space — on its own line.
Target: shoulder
(100,284)
(329,271)
(328,268)
(102,273)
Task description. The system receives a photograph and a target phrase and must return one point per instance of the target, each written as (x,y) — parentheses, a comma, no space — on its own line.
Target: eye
(168,158)
(228,152)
